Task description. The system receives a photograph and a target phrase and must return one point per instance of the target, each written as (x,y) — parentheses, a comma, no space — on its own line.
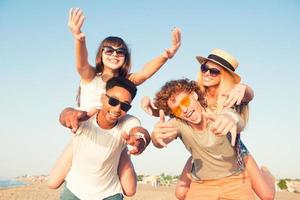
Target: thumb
(233,132)
(161,116)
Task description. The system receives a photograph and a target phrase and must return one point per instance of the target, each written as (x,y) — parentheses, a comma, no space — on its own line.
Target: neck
(110,71)
(201,126)
(212,93)
(102,122)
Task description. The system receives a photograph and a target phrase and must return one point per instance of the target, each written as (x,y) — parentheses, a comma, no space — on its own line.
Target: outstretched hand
(235,96)
(164,132)
(176,42)
(70,118)
(137,140)
(222,125)
(148,106)
(76,19)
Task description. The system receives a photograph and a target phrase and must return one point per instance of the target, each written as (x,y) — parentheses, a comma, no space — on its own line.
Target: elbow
(268,196)
(130,192)
(53,184)
(179,196)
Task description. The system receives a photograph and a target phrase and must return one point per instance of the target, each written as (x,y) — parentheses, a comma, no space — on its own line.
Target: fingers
(162,143)
(176,37)
(74,124)
(222,125)
(233,132)
(146,105)
(152,105)
(162,116)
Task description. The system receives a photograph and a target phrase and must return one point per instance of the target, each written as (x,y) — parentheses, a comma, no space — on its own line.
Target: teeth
(207,79)
(114,114)
(189,113)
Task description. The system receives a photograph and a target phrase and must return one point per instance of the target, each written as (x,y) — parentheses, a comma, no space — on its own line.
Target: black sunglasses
(108,50)
(212,71)
(114,102)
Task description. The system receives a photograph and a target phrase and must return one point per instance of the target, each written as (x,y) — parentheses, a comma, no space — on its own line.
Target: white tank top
(90,93)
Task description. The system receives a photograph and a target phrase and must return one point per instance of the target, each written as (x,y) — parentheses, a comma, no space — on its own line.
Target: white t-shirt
(90,93)
(96,154)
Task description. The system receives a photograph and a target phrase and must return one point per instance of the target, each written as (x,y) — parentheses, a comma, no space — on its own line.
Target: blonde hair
(227,82)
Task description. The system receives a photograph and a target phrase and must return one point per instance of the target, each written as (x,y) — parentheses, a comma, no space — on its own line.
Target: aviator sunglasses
(212,71)
(114,102)
(108,50)
(184,102)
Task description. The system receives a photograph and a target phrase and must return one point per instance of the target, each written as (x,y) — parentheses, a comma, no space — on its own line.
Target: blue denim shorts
(68,195)
(241,151)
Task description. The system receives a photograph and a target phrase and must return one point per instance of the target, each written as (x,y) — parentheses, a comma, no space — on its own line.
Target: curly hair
(173,87)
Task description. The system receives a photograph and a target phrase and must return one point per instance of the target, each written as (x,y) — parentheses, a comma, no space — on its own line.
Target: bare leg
(184,181)
(61,167)
(262,181)
(127,174)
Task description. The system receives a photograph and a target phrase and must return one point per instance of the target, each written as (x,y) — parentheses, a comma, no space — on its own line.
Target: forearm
(85,70)
(249,94)
(149,69)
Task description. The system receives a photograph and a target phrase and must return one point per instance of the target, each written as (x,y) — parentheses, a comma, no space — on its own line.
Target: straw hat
(223,59)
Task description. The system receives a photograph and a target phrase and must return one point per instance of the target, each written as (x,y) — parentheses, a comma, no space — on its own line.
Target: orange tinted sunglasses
(184,102)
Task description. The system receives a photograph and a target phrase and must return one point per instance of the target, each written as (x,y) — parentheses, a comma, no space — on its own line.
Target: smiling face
(186,106)
(111,112)
(113,57)
(208,78)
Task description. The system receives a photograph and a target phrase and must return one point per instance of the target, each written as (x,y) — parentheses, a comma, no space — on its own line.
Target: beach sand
(39,191)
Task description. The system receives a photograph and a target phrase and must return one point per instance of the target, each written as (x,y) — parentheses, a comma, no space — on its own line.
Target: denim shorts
(68,195)
(241,151)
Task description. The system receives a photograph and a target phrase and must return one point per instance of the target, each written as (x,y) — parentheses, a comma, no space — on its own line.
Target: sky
(38,77)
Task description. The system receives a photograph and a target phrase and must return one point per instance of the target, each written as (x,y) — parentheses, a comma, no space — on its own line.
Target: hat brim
(203,60)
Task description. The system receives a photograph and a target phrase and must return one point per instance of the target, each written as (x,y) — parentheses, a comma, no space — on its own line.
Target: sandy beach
(38,190)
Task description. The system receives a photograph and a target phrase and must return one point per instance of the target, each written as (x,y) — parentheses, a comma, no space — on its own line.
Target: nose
(114,53)
(184,108)
(207,73)
(117,108)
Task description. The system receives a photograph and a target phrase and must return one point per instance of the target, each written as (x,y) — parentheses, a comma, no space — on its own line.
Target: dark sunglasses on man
(108,50)
(114,102)
(212,71)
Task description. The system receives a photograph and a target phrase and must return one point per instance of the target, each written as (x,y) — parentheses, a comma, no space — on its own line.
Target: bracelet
(141,136)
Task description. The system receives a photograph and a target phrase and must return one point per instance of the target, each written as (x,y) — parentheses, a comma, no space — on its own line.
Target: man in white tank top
(98,143)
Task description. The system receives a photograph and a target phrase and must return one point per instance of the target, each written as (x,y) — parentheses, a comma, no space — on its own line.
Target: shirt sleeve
(130,122)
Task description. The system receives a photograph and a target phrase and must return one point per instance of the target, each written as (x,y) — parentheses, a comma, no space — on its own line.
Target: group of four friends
(208,117)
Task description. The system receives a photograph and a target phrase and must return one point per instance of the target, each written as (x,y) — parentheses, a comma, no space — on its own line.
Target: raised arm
(75,22)
(154,65)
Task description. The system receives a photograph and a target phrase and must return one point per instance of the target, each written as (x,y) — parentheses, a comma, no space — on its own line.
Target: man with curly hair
(215,172)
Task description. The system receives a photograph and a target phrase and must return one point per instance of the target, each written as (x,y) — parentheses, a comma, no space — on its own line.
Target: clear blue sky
(38,77)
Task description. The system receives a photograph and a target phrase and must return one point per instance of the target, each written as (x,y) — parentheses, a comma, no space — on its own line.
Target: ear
(195,95)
